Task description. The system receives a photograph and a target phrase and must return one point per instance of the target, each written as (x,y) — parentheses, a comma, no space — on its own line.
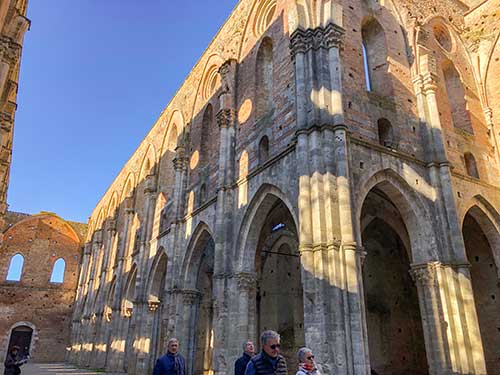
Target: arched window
(374,49)
(205,141)
(264,79)
(58,271)
(456,98)
(263,150)
(365,65)
(15,268)
(470,165)
(203,194)
(385,133)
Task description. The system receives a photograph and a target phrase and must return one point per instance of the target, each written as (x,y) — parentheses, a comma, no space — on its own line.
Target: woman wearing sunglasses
(307,366)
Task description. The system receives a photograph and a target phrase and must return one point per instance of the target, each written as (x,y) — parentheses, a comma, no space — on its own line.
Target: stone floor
(54,369)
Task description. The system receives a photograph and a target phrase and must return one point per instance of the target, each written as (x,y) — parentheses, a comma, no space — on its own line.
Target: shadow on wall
(195,160)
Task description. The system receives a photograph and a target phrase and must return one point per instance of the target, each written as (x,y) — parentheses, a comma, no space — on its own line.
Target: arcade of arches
(329,171)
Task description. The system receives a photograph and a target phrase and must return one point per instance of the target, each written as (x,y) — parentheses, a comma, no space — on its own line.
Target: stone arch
(70,231)
(269,251)
(193,256)
(417,220)
(197,278)
(148,165)
(492,65)
(108,301)
(210,71)
(100,219)
(256,212)
(128,186)
(112,205)
(34,336)
(481,234)
(168,152)
(129,291)
(488,219)
(157,273)
(305,14)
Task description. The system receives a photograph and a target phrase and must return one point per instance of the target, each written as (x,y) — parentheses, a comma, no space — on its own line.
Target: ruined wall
(34,301)
(277,126)
(13,25)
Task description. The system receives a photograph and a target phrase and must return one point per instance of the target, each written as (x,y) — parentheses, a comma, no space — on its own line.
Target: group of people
(268,362)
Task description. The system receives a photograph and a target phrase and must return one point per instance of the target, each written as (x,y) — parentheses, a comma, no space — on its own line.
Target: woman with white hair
(307,366)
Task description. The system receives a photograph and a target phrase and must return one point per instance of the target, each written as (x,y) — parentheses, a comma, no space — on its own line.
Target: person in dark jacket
(241,363)
(268,361)
(171,363)
(13,362)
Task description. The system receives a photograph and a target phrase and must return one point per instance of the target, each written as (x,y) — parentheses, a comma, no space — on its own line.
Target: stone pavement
(55,369)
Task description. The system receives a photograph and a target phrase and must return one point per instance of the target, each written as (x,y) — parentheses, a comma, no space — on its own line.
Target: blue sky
(95,75)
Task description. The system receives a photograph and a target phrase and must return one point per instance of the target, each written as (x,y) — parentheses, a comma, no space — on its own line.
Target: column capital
(150,184)
(111,227)
(128,204)
(425,273)
(330,36)
(226,117)
(189,296)
(429,83)
(246,281)
(153,305)
(128,312)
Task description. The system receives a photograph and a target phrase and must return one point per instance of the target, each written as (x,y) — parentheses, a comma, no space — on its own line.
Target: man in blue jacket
(171,363)
(241,363)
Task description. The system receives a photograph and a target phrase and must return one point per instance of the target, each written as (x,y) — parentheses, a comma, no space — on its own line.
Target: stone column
(88,310)
(439,169)
(455,288)
(117,336)
(76,332)
(452,337)
(186,326)
(100,349)
(434,325)
(226,119)
(493,133)
(330,264)
(142,336)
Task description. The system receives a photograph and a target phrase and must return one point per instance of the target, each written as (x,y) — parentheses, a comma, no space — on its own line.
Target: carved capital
(246,281)
(190,297)
(128,205)
(327,37)
(111,225)
(97,238)
(6,122)
(10,51)
(425,274)
(128,312)
(153,305)
(430,83)
(226,118)
(180,161)
(150,184)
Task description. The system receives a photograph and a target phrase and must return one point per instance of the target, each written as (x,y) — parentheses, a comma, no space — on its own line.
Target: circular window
(443,37)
